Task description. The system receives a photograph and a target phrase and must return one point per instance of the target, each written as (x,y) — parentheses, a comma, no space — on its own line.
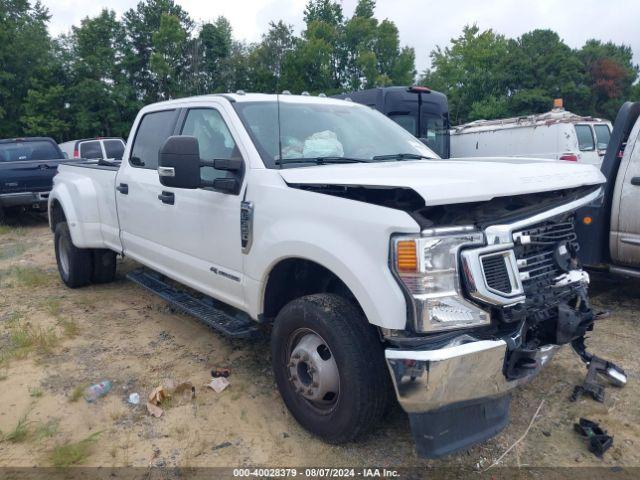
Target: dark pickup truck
(27,167)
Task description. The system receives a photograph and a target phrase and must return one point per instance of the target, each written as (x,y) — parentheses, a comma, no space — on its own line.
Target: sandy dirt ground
(54,341)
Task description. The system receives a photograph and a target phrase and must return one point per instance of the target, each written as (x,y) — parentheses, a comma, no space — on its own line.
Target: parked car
(27,166)
(94,148)
(610,228)
(419,110)
(556,135)
(375,262)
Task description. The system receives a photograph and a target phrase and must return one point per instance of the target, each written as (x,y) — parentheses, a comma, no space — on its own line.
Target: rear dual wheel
(79,267)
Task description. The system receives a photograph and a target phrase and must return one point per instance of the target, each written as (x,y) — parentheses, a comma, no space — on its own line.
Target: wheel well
(296,277)
(57,214)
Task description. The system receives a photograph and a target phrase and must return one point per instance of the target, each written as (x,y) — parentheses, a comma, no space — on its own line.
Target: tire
(104,265)
(74,264)
(332,323)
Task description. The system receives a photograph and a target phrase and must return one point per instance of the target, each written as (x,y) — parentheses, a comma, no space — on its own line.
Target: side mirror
(179,162)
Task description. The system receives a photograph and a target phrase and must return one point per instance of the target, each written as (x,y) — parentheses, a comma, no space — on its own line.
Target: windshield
(31,150)
(326,130)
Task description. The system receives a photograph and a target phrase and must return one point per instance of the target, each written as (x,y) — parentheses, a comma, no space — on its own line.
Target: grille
(535,251)
(496,273)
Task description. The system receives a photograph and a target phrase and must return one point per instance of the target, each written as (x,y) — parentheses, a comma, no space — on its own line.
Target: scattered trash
(94,392)
(599,441)
(166,390)
(218,384)
(134,399)
(222,445)
(220,372)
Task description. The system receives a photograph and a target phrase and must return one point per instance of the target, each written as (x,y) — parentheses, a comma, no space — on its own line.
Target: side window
(90,150)
(214,138)
(585,138)
(114,149)
(153,130)
(602,136)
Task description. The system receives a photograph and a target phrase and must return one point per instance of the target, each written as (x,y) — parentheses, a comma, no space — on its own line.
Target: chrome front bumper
(426,380)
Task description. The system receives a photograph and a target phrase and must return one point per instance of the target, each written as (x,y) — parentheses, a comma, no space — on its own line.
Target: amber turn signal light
(406,256)
(587,220)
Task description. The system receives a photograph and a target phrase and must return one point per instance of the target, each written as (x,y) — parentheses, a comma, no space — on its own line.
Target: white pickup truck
(372,262)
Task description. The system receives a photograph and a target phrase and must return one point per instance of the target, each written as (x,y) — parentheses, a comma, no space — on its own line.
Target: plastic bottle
(94,392)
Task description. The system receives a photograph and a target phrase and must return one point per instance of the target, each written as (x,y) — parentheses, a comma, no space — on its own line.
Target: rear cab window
(153,130)
(114,149)
(19,151)
(585,138)
(91,150)
(603,134)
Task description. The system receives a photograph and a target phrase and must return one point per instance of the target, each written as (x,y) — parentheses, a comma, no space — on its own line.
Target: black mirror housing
(228,164)
(227,185)
(179,162)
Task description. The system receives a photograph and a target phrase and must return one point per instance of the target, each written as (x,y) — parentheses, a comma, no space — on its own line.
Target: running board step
(212,313)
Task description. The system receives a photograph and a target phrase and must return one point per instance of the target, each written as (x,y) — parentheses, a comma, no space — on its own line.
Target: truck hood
(443,182)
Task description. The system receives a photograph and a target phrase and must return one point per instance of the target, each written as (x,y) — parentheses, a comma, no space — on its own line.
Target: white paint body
(349,238)
(546,136)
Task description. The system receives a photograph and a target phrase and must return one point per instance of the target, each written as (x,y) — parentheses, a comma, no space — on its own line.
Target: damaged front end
(527,276)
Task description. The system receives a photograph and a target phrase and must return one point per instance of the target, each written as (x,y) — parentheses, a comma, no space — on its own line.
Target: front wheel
(329,367)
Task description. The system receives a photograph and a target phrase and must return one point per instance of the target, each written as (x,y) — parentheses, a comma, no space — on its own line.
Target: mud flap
(458,426)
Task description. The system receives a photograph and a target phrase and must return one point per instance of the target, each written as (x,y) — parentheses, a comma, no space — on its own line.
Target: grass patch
(52,306)
(27,337)
(46,430)
(4,229)
(20,432)
(31,276)
(69,327)
(12,250)
(77,393)
(73,453)
(35,392)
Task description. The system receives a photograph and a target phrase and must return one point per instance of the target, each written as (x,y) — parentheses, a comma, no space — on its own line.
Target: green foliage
(93,80)
(486,75)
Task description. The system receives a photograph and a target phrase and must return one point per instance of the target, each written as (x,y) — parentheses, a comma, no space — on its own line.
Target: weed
(69,327)
(20,432)
(14,317)
(52,306)
(12,250)
(31,277)
(46,430)
(35,392)
(76,393)
(26,337)
(4,229)
(73,453)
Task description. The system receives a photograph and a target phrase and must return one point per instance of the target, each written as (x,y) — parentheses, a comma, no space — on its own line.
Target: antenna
(279,132)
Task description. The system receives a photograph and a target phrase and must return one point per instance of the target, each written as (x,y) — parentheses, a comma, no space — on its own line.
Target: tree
(26,57)
(168,59)
(140,24)
(542,67)
(610,74)
(472,69)
(216,43)
(267,59)
(101,99)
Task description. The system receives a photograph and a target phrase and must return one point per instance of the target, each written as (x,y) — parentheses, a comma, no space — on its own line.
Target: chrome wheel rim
(63,255)
(312,370)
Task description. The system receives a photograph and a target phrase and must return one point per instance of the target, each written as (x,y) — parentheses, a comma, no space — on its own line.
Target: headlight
(427,265)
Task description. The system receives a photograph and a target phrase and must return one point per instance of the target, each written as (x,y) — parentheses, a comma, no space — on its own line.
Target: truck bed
(92,186)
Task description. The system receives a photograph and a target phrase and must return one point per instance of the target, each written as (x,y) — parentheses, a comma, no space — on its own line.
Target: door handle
(123,188)
(167,197)
(635,181)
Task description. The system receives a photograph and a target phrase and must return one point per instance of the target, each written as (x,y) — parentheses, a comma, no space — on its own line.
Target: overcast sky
(423,24)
